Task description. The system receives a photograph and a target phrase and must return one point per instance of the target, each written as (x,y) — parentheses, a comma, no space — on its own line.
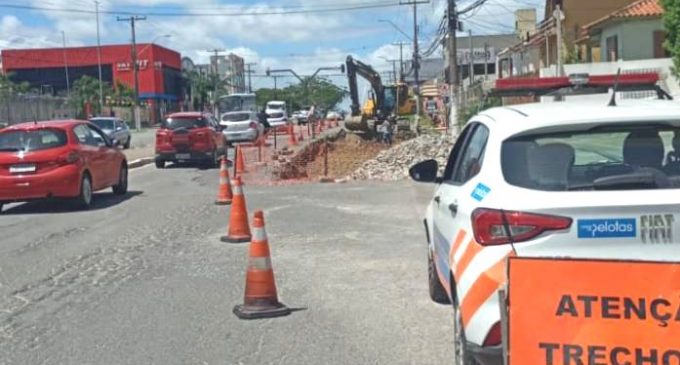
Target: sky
(298,34)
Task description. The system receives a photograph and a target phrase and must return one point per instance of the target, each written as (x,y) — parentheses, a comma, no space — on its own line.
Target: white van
(277,114)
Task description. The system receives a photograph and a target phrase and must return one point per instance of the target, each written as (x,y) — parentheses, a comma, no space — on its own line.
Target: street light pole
(135,67)
(68,83)
(250,72)
(99,60)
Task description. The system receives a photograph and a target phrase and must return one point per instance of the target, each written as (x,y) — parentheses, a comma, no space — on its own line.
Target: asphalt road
(144,279)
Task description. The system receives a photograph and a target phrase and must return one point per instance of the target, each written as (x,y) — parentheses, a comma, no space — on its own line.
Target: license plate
(183,156)
(19,169)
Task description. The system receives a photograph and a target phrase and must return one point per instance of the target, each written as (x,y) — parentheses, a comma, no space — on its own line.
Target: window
(612,48)
(473,153)
(640,156)
(456,151)
(467,154)
(659,50)
(185,122)
(89,136)
(12,141)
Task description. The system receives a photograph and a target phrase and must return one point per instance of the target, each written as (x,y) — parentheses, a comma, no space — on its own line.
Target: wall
(636,39)
(19,109)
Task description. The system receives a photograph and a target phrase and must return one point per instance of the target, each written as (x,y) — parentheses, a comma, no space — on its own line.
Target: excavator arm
(354,68)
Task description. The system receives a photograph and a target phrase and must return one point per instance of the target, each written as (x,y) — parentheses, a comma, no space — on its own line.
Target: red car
(191,137)
(59,159)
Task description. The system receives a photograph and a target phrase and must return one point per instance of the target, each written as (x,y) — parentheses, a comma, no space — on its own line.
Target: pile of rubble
(394,163)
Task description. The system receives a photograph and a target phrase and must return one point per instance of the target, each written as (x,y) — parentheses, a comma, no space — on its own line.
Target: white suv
(550,180)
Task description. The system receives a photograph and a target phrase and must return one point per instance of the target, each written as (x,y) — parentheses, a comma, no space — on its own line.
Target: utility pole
(216,53)
(401,58)
(486,61)
(250,72)
(558,18)
(135,66)
(68,84)
(99,60)
(416,56)
(471,71)
(453,66)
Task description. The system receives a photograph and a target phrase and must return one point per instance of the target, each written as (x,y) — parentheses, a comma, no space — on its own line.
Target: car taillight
(493,338)
(252,125)
(489,225)
(69,158)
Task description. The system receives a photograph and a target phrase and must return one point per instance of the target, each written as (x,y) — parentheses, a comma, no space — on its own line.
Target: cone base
(243,311)
(236,239)
(225,202)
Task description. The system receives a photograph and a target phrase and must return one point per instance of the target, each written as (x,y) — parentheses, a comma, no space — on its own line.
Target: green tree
(311,91)
(671,19)
(10,88)
(85,89)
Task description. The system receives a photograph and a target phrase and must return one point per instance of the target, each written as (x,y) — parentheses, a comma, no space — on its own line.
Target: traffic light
(268,72)
(342,68)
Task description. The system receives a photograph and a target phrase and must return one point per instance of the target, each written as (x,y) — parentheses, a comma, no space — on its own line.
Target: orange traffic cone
(240,164)
(239,231)
(224,194)
(260,299)
(292,140)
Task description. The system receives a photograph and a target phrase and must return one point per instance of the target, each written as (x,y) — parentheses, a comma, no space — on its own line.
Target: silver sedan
(241,126)
(115,128)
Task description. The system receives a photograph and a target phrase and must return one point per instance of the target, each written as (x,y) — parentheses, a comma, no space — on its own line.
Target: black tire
(214,161)
(127,143)
(1,204)
(462,355)
(84,199)
(437,292)
(160,164)
(122,187)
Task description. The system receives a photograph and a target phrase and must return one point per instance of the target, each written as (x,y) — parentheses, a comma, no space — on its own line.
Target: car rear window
(103,123)
(185,122)
(33,140)
(623,157)
(236,117)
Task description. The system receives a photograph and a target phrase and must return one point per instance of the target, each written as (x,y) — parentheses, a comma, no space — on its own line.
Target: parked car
(278,116)
(301,116)
(59,159)
(115,128)
(547,180)
(190,137)
(241,126)
(332,115)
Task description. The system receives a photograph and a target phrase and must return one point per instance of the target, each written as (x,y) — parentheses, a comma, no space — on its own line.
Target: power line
(254,12)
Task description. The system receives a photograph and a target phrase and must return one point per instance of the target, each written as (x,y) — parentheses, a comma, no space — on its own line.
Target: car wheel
(160,164)
(214,160)
(462,356)
(122,187)
(127,143)
(1,204)
(84,199)
(437,292)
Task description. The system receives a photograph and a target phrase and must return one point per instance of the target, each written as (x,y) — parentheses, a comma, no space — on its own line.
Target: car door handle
(453,207)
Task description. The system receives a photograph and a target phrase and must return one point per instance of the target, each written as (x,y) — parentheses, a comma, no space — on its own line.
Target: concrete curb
(140,162)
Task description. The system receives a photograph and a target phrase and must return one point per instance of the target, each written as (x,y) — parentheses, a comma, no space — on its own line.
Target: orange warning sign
(590,312)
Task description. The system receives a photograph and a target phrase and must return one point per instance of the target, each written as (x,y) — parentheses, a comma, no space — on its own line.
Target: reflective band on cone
(224,194)
(239,230)
(260,299)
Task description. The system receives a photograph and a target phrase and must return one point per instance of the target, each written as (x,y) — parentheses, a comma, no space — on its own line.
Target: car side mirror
(115,142)
(425,171)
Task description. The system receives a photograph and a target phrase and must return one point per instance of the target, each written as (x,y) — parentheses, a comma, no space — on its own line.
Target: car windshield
(103,123)
(275,106)
(625,157)
(35,140)
(184,122)
(236,117)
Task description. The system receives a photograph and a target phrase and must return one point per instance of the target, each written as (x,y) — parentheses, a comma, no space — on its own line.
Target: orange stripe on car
(456,244)
(485,286)
(472,250)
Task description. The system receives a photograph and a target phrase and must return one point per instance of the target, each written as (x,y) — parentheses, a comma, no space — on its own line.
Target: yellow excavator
(384,102)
